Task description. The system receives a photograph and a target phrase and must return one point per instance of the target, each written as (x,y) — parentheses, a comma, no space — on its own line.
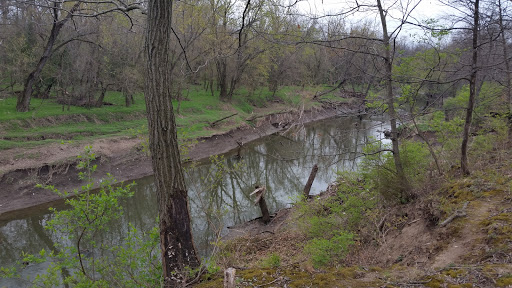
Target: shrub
(328,222)
(272,261)
(379,168)
(134,262)
(323,250)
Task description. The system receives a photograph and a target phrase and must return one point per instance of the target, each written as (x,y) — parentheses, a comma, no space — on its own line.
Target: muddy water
(280,162)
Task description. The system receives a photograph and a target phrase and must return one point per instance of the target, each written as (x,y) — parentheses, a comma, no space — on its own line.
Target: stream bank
(55,164)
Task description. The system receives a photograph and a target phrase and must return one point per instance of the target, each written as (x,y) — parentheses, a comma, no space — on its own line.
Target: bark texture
(311,178)
(176,241)
(472,92)
(390,101)
(23,101)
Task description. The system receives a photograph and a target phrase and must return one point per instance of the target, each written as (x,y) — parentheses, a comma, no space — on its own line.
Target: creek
(280,162)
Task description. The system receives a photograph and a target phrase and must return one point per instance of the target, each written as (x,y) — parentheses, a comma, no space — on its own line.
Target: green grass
(41,108)
(47,122)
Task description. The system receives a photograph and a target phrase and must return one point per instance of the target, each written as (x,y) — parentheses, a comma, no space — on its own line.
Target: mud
(22,169)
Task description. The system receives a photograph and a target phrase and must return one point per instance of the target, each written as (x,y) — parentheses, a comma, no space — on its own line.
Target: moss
(454,273)
(493,192)
(219,282)
(505,281)
(257,276)
(465,285)
(434,281)
(499,230)
(347,273)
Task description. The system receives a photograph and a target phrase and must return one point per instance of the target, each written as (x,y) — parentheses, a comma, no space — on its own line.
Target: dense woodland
(453,72)
(74,51)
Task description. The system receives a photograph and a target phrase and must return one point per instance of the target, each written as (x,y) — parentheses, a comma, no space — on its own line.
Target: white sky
(426,9)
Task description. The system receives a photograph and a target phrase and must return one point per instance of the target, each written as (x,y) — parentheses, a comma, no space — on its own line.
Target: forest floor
(123,156)
(407,246)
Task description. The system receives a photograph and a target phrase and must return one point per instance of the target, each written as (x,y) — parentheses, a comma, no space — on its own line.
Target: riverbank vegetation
(50,122)
(359,234)
(433,205)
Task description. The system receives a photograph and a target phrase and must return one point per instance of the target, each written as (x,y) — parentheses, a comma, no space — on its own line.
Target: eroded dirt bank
(22,169)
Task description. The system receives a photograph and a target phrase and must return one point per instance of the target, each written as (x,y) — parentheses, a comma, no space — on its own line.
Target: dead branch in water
(311,178)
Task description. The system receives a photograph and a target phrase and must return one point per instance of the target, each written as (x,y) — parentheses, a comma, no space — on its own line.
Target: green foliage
(272,261)
(485,101)
(323,251)
(328,223)
(48,123)
(134,262)
(448,135)
(378,167)
(491,138)
(375,101)
(139,255)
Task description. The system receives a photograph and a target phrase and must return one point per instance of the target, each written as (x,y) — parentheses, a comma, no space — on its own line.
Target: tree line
(74,51)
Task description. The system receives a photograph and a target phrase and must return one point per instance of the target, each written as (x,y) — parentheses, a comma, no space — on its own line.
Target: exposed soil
(471,251)
(22,169)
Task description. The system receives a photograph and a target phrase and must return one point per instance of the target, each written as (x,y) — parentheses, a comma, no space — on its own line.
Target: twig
(458,213)
(411,283)
(280,278)
(413,221)
(217,121)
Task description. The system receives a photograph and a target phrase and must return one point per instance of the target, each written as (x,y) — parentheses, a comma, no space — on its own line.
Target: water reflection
(280,162)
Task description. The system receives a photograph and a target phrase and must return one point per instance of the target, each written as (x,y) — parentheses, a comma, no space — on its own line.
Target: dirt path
(22,169)
(478,210)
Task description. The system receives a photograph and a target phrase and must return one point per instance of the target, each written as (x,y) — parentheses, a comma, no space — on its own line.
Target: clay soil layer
(22,169)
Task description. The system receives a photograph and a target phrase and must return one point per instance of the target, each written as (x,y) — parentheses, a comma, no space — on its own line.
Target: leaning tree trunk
(472,93)
(23,102)
(176,243)
(404,183)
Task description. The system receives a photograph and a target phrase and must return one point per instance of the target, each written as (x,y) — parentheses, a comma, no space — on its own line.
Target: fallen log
(217,121)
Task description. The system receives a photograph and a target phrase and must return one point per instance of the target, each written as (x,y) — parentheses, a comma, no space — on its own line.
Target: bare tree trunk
(104,88)
(176,243)
(311,178)
(222,79)
(472,93)
(404,187)
(505,56)
(23,102)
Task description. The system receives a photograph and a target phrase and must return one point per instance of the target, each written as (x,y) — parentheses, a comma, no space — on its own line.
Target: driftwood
(458,213)
(330,90)
(217,121)
(229,278)
(260,200)
(312,176)
(252,118)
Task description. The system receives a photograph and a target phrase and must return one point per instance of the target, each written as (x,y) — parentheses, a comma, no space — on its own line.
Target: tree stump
(260,200)
(229,278)
(312,176)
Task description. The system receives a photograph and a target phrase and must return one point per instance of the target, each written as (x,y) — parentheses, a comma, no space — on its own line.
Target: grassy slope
(476,248)
(48,123)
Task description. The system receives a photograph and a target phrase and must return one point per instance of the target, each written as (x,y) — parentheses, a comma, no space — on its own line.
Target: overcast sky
(426,9)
